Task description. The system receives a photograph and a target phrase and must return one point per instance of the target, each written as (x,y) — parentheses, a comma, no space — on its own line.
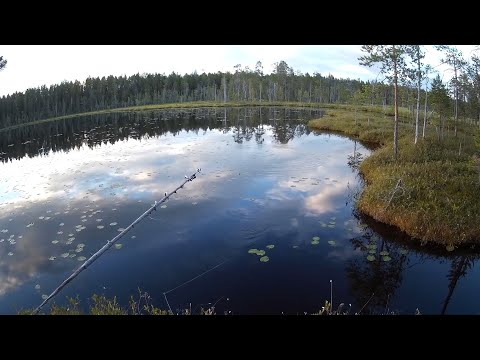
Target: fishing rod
(110,243)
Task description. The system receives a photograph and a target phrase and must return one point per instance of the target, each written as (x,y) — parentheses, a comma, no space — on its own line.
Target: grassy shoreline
(438,201)
(197,104)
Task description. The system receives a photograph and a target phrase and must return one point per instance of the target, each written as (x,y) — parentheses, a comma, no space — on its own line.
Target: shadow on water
(65,135)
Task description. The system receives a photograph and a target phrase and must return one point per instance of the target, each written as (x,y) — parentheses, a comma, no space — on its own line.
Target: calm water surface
(69,186)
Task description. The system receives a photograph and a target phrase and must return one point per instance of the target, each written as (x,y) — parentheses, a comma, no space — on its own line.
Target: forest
(243,84)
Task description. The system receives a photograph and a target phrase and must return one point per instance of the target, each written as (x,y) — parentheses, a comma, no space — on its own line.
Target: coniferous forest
(244,84)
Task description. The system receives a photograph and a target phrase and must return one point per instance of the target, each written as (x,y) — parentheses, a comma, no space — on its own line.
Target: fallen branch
(399,186)
(112,241)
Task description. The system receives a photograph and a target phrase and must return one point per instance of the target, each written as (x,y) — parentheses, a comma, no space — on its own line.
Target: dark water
(67,187)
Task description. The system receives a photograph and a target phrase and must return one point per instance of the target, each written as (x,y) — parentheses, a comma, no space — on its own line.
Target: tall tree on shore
(392,64)
(428,69)
(259,73)
(454,58)
(440,101)
(3,63)
(416,54)
(473,72)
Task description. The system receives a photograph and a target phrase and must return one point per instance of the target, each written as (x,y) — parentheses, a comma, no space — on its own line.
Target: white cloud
(35,65)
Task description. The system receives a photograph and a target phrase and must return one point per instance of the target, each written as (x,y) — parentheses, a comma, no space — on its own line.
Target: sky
(36,65)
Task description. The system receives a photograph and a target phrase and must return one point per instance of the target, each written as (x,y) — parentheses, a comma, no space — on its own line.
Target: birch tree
(473,71)
(428,69)
(454,58)
(416,54)
(392,64)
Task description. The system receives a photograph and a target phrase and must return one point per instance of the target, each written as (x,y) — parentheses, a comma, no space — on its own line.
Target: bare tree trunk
(417,120)
(224,89)
(395,88)
(425,112)
(456,96)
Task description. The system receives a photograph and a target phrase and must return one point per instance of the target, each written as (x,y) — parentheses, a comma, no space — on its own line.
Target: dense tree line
(244,84)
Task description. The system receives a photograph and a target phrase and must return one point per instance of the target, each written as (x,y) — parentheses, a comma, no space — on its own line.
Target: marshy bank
(431,190)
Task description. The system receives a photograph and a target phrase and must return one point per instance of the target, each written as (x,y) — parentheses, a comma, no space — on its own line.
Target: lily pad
(44,296)
(261,252)
(332,242)
(315,242)
(270,246)
(51,258)
(100,226)
(252,251)
(118,246)
(37,287)
(316,238)
(372,251)
(65,255)
(54,241)
(163,206)
(384,253)
(10,253)
(404,251)
(264,258)
(370,258)
(81,258)
(295,246)
(113,224)
(386,258)
(450,247)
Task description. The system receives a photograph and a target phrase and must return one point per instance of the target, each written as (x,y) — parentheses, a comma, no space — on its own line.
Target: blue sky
(35,65)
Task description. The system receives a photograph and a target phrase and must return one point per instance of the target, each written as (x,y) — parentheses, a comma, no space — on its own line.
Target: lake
(267,182)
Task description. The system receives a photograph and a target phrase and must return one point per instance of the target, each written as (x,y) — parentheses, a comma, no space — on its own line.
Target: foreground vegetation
(102,305)
(431,191)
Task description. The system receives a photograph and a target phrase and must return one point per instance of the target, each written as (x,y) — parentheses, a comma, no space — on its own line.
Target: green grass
(440,199)
(101,305)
